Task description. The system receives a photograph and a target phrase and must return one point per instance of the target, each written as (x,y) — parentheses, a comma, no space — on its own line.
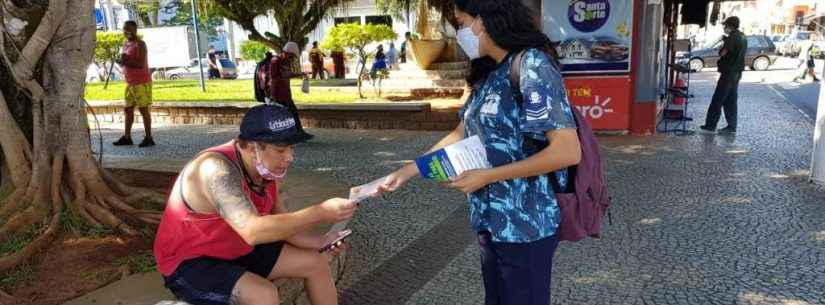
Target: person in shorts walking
(135,62)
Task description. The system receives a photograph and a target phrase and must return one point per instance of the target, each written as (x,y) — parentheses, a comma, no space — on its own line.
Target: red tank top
(185,234)
(136,76)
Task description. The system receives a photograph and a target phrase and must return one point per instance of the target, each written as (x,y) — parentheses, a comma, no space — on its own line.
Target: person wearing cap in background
(731,64)
(225,235)
(280,71)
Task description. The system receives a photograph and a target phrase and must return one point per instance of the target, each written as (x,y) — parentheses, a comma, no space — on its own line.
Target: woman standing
(512,205)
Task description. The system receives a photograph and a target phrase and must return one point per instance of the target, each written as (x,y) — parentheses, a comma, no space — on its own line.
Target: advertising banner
(595,36)
(604,101)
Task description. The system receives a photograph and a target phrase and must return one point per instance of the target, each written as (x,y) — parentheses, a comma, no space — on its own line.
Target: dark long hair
(511,26)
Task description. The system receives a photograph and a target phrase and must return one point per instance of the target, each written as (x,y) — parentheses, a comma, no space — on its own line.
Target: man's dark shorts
(811,64)
(209,281)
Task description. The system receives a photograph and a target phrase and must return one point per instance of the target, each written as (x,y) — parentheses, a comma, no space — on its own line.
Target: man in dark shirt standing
(731,64)
(280,71)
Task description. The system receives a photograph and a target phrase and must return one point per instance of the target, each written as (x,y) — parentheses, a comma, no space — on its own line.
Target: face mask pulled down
(468,41)
(263,171)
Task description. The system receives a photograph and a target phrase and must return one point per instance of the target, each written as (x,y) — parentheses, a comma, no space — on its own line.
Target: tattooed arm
(221,185)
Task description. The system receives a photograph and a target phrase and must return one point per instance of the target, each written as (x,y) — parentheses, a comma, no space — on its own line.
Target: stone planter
(426,52)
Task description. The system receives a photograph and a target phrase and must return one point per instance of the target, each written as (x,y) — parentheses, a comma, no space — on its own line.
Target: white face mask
(468,41)
(263,171)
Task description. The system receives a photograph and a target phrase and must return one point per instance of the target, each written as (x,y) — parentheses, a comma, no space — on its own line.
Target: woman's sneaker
(727,130)
(123,141)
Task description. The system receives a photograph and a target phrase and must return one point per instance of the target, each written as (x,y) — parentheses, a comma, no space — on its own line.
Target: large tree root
(53,168)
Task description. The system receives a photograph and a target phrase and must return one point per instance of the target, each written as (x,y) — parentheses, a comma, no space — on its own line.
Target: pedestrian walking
(806,59)
(135,62)
(380,62)
(280,72)
(261,79)
(316,58)
(212,60)
(513,209)
(338,57)
(392,56)
(404,47)
(731,64)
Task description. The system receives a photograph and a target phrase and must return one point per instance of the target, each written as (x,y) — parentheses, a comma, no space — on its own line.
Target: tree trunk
(56,169)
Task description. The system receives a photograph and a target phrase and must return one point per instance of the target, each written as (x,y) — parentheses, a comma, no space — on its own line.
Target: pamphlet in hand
(361,192)
(451,161)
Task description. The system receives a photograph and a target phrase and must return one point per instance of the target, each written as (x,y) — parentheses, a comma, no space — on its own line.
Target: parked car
(779,41)
(227,69)
(761,54)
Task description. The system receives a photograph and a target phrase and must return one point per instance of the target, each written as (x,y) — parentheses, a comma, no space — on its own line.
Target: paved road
(804,95)
(697,219)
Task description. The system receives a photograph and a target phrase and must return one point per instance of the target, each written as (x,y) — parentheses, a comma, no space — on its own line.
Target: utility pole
(198,42)
(818,155)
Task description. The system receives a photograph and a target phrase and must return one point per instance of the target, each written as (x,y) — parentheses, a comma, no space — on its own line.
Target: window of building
(382,19)
(343,20)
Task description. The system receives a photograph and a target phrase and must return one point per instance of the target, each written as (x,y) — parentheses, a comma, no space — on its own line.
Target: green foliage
(141,262)
(296,19)
(17,241)
(253,50)
(396,8)
(208,19)
(188,90)
(72,224)
(356,37)
(108,45)
(17,275)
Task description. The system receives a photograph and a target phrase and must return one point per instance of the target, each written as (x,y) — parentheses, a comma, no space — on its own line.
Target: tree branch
(38,43)
(15,146)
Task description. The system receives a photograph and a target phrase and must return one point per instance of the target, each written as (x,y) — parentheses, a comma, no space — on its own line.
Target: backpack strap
(515,85)
(515,73)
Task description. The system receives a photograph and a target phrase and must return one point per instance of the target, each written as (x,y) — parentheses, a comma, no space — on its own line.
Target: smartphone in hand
(335,243)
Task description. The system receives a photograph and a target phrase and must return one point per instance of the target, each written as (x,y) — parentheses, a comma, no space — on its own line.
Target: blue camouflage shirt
(524,209)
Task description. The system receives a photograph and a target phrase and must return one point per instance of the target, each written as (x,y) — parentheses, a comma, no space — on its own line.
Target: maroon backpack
(584,203)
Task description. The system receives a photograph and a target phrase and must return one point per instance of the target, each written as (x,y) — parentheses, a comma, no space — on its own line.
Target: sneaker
(727,130)
(707,130)
(147,142)
(123,141)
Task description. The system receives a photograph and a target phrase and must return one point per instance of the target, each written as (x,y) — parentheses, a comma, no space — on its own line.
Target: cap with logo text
(272,124)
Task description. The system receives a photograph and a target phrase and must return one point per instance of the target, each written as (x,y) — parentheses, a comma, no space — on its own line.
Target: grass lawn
(223,91)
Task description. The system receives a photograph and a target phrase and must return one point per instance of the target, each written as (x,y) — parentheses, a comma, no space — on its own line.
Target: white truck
(171,47)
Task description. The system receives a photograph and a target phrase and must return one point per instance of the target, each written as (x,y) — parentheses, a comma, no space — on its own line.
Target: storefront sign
(604,101)
(595,36)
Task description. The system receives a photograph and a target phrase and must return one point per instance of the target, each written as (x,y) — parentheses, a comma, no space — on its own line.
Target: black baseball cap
(732,21)
(272,124)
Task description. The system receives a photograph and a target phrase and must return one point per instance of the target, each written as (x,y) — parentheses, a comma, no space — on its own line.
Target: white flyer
(451,161)
(361,192)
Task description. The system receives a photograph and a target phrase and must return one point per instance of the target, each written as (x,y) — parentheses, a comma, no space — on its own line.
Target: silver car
(227,68)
